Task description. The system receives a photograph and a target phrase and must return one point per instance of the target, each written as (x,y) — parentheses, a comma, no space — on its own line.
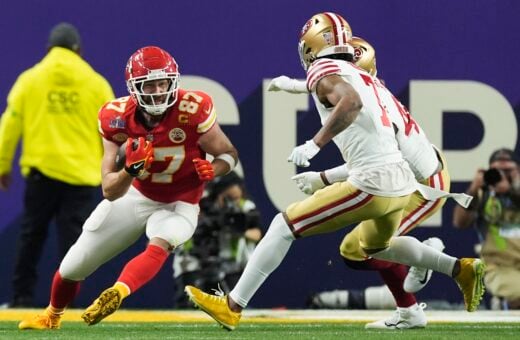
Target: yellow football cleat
(470,281)
(107,303)
(47,320)
(215,306)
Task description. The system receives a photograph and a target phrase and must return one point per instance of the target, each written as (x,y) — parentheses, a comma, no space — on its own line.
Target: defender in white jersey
(429,168)
(375,194)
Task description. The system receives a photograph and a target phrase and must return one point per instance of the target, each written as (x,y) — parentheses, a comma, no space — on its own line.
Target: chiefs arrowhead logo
(177,135)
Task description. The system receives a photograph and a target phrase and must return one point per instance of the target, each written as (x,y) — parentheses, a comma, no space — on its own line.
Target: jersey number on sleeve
(190,102)
(118,105)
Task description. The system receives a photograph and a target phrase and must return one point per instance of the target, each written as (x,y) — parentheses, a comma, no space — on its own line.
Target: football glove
(204,169)
(139,156)
(301,154)
(308,182)
(284,83)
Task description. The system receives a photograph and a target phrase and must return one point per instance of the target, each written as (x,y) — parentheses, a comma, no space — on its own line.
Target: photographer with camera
(495,211)
(226,235)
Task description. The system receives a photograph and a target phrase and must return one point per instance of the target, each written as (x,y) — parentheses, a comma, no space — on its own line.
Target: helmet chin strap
(149,120)
(154,110)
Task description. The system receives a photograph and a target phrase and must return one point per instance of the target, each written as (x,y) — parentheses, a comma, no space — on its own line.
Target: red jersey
(172,176)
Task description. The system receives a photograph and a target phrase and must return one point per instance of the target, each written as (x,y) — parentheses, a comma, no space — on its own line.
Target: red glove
(204,169)
(139,156)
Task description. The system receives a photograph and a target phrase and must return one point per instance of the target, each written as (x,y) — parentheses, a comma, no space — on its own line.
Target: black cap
(503,154)
(65,35)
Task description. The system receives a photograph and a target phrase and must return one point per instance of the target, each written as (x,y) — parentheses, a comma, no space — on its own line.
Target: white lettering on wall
(429,100)
(279,138)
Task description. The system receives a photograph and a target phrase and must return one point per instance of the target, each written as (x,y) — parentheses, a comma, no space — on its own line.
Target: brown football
(121,154)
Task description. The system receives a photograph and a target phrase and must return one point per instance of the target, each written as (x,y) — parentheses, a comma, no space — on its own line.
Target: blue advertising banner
(453,63)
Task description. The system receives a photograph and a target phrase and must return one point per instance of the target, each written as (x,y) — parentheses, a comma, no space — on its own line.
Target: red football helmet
(148,64)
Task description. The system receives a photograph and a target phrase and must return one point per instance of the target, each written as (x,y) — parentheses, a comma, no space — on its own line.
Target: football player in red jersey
(168,132)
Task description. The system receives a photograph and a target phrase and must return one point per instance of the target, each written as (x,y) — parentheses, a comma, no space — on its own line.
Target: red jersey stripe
(327,71)
(318,65)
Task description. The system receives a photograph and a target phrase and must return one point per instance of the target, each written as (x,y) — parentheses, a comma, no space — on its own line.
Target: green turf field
(271,331)
(266,325)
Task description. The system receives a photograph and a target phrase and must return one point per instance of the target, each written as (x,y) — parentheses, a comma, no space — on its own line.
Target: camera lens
(492,176)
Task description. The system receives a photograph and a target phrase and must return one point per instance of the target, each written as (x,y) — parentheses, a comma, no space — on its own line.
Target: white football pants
(114,226)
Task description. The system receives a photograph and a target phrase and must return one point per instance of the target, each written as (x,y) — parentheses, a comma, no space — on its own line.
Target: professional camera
(218,223)
(492,176)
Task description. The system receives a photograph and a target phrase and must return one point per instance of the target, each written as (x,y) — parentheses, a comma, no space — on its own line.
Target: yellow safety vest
(53,107)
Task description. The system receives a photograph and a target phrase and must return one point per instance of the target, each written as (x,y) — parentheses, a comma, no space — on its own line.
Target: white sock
(409,251)
(266,257)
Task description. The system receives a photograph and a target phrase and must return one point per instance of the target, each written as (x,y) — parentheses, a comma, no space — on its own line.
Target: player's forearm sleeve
(299,86)
(337,174)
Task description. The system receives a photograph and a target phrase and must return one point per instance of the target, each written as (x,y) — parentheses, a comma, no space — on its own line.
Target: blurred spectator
(495,211)
(53,108)
(228,230)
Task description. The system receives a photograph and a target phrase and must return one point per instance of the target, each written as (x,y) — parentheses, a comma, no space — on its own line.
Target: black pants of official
(46,199)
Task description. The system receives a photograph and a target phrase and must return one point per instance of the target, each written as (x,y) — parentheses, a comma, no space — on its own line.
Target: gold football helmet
(364,55)
(324,34)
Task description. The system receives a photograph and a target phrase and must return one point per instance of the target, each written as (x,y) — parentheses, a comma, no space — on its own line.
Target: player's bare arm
(216,143)
(333,91)
(114,183)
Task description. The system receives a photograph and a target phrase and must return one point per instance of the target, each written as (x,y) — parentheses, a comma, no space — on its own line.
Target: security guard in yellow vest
(53,108)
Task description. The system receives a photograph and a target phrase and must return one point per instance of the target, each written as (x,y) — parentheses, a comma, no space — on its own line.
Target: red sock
(143,267)
(63,291)
(394,278)
(393,275)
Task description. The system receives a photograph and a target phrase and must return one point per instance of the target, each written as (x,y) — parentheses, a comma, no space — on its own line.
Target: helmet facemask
(151,102)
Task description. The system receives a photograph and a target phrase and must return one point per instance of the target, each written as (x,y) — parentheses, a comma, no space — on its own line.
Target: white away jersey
(417,150)
(368,146)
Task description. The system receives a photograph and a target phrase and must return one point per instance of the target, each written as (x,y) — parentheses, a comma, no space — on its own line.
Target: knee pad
(170,226)
(374,244)
(350,248)
(74,266)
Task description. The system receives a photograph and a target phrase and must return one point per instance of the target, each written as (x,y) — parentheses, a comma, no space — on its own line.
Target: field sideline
(266,324)
(277,316)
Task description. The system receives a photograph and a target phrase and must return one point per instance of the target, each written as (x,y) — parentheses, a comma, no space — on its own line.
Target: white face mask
(155,101)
